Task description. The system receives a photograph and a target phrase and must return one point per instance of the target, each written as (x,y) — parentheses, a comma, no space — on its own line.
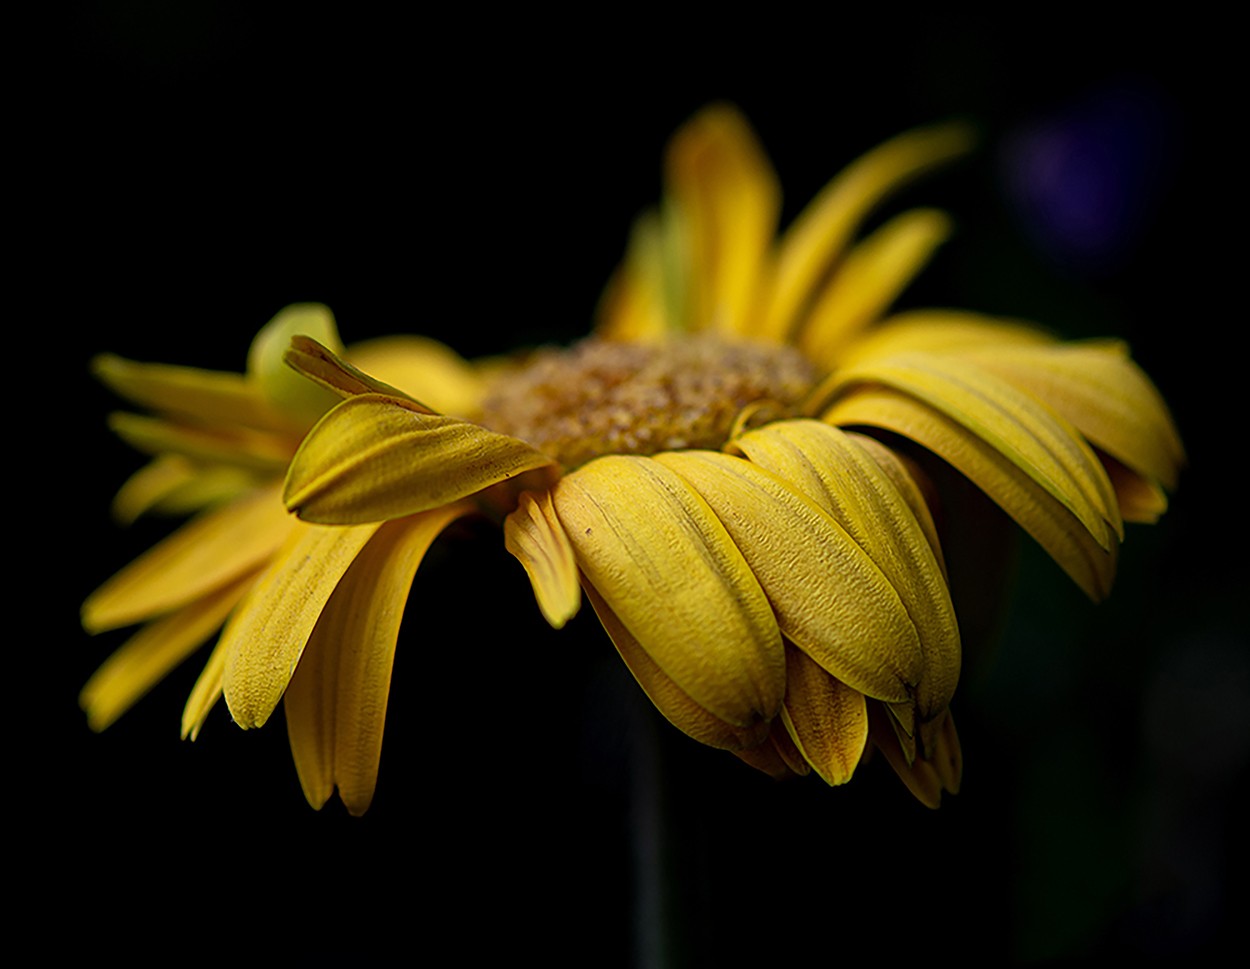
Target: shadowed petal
(324,367)
(301,400)
(665,566)
(535,536)
(374,457)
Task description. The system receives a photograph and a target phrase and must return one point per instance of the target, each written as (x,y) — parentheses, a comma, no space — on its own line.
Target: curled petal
(535,536)
(375,457)
(664,564)
(327,369)
(423,368)
(829,597)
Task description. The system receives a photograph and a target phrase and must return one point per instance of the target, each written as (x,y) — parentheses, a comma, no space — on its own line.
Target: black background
(193,170)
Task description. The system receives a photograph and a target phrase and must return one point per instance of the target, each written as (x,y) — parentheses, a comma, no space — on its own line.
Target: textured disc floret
(602,397)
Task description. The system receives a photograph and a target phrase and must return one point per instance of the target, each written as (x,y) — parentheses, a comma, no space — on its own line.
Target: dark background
(195,169)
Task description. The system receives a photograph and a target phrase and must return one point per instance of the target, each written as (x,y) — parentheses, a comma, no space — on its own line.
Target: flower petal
(821,233)
(671,700)
(205,693)
(146,488)
(268,632)
(235,447)
(1140,498)
(940,331)
(637,304)
(300,400)
(424,368)
(202,556)
(824,464)
(727,194)
(663,563)
(826,719)
(336,702)
(535,536)
(871,277)
(829,597)
(927,777)
(327,369)
(1089,562)
(374,457)
(151,653)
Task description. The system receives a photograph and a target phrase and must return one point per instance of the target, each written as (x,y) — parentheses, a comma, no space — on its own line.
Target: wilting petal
(535,536)
(670,699)
(424,368)
(826,719)
(1103,393)
(1038,442)
(152,652)
(202,556)
(824,464)
(267,633)
(203,396)
(872,276)
(374,458)
(665,566)
(336,702)
(299,399)
(637,305)
(925,777)
(829,597)
(235,447)
(821,233)
(727,194)
(324,367)
(1052,523)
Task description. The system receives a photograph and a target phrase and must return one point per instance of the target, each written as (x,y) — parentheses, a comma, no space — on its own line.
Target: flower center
(625,398)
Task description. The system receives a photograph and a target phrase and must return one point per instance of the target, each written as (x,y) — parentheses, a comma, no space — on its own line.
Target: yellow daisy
(220,443)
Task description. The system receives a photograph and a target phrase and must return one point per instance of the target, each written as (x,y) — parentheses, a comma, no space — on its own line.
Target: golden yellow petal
(535,536)
(1051,523)
(150,484)
(940,331)
(423,368)
(336,702)
(203,396)
(260,451)
(289,392)
(636,305)
(826,719)
(665,566)
(210,487)
(374,457)
(829,597)
(151,653)
(670,699)
(202,556)
(871,277)
(327,369)
(1104,394)
(205,693)
(825,465)
(821,233)
(727,195)
(1140,498)
(1035,439)
(267,633)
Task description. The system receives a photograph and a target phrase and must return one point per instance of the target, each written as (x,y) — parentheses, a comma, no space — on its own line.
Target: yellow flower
(221,443)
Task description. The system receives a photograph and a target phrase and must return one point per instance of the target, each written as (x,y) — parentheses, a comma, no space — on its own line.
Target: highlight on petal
(822,232)
(826,719)
(831,600)
(205,554)
(422,368)
(336,702)
(1090,562)
(300,400)
(871,277)
(535,536)
(664,564)
(267,634)
(726,193)
(374,457)
(152,652)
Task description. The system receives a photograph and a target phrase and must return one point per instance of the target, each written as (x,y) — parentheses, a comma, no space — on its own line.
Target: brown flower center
(624,398)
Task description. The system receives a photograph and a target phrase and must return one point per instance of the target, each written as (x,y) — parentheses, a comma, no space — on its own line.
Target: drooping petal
(925,777)
(239,447)
(152,652)
(423,368)
(726,192)
(374,458)
(665,566)
(202,556)
(1140,498)
(267,634)
(1036,440)
(671,700)
(826,719)
(202,396)
(1104,394)
(299,399)
(535,536)
(871,277)
(829,597)
(822,232)
(336,701)
(327,369)
(827,466)
(1089,562)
